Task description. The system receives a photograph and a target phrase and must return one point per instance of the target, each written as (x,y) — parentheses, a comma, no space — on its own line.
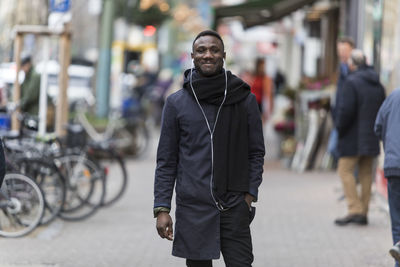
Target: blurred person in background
(262,89)
(162,85)
(344,47)
(30,88)
(357,106)
(247,76)
(279,81)
(30,93)
(215,165)
(387,128)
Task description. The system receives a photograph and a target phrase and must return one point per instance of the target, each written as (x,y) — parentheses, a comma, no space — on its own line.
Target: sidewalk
(293,227)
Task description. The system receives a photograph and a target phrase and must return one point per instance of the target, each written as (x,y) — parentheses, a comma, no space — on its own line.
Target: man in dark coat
(212,149)
(387,128)
(357,107)
(344,47)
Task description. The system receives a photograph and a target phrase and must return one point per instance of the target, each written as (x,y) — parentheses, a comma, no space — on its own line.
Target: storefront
(371,26)
(390,45)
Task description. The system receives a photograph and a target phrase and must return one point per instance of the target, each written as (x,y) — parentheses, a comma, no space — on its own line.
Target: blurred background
(120,59)
(123,52)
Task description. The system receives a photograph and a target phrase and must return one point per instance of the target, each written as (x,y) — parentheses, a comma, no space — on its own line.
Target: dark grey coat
(184,160)
(387,127)
(357,107)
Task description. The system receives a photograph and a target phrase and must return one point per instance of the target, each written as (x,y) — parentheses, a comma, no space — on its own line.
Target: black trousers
(236,246)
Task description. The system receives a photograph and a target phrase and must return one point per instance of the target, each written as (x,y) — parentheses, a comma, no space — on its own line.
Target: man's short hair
(347,40)
(209,32)
(26,60)
(358,58)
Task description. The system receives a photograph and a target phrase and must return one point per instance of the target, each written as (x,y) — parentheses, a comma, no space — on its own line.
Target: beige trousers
(357,203)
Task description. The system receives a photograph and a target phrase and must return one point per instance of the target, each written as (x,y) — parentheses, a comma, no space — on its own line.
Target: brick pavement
(293,227)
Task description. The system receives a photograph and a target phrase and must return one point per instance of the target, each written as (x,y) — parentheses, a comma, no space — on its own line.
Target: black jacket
(357,107)
(184,161)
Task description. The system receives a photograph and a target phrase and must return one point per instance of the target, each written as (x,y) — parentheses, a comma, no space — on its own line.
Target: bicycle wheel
(21,205)
(85,187)
(139,138)
(116,176)
(50,181)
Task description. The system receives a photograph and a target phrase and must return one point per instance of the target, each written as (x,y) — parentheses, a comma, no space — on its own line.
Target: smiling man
(211,149)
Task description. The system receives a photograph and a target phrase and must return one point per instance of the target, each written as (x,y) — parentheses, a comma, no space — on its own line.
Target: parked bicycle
(76,177)
(129,134)
(21,205)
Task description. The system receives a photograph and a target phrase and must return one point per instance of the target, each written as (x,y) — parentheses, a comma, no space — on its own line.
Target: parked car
(7,78)
(79,84)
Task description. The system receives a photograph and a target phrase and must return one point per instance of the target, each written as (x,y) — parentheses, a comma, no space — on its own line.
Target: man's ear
(191,55)
(225,55)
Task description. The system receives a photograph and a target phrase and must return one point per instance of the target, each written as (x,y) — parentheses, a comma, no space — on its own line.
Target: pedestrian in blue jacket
(211,150)
(387,127)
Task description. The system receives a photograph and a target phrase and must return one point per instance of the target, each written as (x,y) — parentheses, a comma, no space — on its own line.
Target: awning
(258,12)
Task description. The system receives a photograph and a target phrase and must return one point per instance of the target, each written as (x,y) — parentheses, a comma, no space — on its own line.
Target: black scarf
(230,136)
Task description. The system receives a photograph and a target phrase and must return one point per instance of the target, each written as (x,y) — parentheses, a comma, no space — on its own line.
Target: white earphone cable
(219,207)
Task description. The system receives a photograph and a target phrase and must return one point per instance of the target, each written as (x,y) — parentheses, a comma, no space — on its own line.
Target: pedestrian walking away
(357,106)
(387,127)
(211,149)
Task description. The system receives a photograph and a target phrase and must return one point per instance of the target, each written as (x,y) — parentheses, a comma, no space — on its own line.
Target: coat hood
(369,74)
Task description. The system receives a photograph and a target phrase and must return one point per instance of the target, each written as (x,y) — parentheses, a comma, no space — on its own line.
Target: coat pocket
(252,214)
(251,211)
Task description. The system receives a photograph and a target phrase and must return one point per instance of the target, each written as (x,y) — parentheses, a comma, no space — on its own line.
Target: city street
(318,72)
(293,227)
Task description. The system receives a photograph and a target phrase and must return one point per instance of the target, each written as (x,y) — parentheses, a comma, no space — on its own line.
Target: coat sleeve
(381,117)
(346,108)
(167,157)
(255,145)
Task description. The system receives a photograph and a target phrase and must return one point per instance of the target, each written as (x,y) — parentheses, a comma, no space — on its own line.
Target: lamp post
(104,64)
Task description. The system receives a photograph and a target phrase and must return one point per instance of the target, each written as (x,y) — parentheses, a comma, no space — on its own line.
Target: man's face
(344,52)
(26,67)
(208,55)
